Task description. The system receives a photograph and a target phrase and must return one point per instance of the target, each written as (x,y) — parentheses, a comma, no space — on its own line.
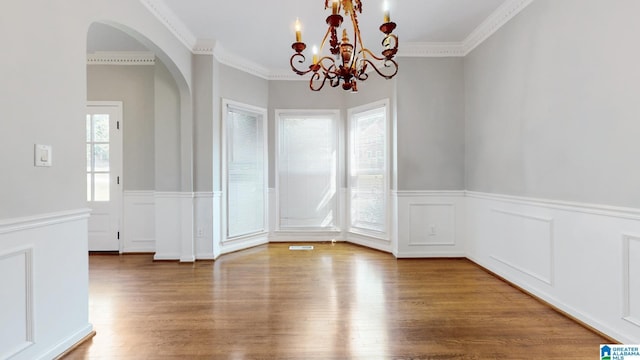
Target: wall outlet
(199,232)
(432,230)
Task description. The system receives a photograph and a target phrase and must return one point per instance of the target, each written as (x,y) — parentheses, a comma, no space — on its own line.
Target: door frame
(119,194)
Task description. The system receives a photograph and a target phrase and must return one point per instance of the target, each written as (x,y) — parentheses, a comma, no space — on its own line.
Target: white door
(104,174)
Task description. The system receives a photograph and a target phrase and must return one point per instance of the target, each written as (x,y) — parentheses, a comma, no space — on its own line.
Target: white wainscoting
(631,278)
(17,300)
(204,225)
(184,221)
(525,243)
(138,231)
(174,222)
(38,320)
(429,224)
(582,258)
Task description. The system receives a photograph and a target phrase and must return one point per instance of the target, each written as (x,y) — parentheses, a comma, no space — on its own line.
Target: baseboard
(70,343)
(564,310)
(166,256)
(76,345)
(428,255)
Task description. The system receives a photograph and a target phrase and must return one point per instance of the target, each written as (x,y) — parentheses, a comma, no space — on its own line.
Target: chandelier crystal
(349,61)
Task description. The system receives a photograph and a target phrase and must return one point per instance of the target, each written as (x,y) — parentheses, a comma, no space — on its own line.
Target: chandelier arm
(334,81)
(331,61)
(388,63)
(365,50)
(301,60)
(314,77)
(294,68)
(386,43)
(362,76)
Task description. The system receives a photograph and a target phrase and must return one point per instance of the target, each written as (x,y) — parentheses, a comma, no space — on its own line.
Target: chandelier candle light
(349,61)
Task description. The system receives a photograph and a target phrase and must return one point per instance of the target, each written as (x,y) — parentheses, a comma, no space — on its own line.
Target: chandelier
(349,61)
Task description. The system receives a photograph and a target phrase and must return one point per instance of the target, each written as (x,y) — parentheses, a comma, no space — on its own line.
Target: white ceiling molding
(431,50)
(171,22)
(121,58)
(204,47)
(286,74)
(230,59)
(495,21)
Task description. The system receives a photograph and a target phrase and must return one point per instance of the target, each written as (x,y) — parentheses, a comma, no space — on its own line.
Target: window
(245,157)
(98,169)
(368,168)
(307,170)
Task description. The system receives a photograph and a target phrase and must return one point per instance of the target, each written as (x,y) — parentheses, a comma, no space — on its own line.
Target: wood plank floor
(339,301)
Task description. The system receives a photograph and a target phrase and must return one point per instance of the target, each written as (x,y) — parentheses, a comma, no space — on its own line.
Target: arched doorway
(157,131)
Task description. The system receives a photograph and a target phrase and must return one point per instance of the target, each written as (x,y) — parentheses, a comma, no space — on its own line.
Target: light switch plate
(42,155)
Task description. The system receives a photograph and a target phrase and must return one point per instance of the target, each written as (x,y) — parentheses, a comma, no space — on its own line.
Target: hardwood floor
(339,301)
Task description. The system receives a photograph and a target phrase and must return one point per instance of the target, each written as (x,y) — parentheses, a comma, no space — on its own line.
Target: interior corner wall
(430,124)
(134,86)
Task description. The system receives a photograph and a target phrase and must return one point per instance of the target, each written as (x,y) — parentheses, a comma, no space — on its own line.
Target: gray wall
(41,102)
(552,104)
(203,122)
(430,124)
(243,87)
(134,86)
(167,131)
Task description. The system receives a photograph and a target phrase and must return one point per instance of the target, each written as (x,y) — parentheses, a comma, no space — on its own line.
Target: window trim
(385,234)
(261,112)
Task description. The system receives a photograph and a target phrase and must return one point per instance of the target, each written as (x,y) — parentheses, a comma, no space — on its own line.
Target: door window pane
(101,157)
(101,128)
(101,182)
(98,157)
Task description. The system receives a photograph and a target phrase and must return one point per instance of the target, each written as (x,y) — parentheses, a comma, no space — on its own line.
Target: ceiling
(260,32)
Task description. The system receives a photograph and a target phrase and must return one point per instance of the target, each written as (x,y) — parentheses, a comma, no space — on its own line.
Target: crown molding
(286,75)
(235,61)
(171,22)
(488,27)
(495,21)
(432,49)
(121,58)
(204,47)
